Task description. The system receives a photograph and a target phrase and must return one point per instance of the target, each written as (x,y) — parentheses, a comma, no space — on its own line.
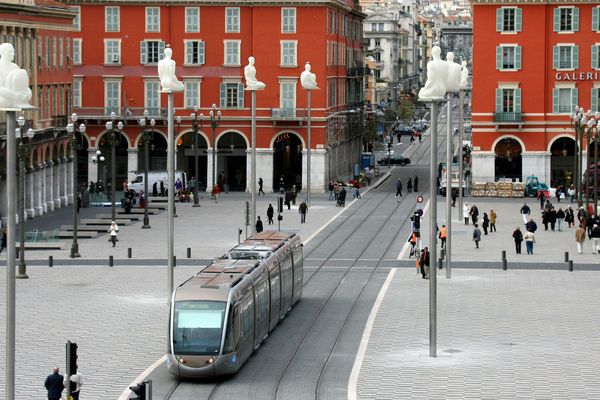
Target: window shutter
(519,20)
(594,99)
(595,18)
(498,100)
(556,19)
(517,100)
(499,19)
(575,57)
(575,19)
(161,50)
(595,56)
(574,98)
(499,57)
(555,100)
(518,54)
(223,95)
(143,53)
(200,52)
(555,56)
(189,53)
(241,95)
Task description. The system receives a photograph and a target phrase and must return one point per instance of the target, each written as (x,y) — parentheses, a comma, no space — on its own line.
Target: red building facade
(119,44)
(533,63)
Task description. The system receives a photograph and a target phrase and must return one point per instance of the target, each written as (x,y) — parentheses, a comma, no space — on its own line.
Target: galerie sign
(577,76)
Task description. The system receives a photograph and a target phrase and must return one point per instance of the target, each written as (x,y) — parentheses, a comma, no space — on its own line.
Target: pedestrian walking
(595,235)
(466,211)
(260,186)
(476,235)
(485,223)
(294,194)
(270,213)
(580,238)
(552,217)
(3,240)
(54,384)
(560,218)
(525,211)
(453,196)
(443,234)
(398,188)
(569,216)
(546,219)
(288,200)
(409,185)
(413,243)
(259,225)
(331,188)
(571,193)
(529,241)
(531,226)
(303,209)
(518,237)
(541,198)
(162,189)
(76,382)
(155,189)
(357,190)
(493,217)
(416,184)
(424,262)
(474,213)
(114,228)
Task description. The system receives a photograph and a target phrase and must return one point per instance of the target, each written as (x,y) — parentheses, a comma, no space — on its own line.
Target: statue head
(450,56)
(168,52)
(251,60)
(436,52)
(7,50)
(307,66)
(464,64)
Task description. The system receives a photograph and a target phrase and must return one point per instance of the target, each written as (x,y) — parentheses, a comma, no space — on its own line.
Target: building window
(288,53)
(77,51)
(47,101)
(68,52)
(288,20)
(61,52)
(596,56)
(232,95)
(232,19)
(287,95)
(152,97)
(232,52)
(192,19)
(380,26)
(112,97)
(509,19)
(77,19)
(332,93)
(373,26)
(508,100)
(47,52)
(564,100)
(54,51)
(566,19)
(77,93)
(566,57)
(377,42)
(595,96)
(596,19)
(194,52)
(151,51)
(192,94)
(112,51)
(111,19)
(508,57)
(152,19)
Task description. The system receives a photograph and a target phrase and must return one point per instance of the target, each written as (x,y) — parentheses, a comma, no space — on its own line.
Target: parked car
(404,130)
(420,126)
(396,160)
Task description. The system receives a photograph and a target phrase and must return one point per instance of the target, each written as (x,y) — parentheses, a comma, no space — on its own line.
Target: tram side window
(246,317)
(230,335)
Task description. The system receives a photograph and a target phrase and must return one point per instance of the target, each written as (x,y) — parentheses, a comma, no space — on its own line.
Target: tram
(220,315)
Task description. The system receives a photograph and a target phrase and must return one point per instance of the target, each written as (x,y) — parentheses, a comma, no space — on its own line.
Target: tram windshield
(198,327)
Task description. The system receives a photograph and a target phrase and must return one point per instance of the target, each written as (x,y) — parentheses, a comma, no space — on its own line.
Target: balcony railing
(287,113)
(121,112)
(508,117)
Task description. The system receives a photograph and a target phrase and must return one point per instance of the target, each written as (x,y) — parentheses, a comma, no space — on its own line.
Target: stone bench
(80,227)
(80,235)
(43,246)
(123,217)
(107,221)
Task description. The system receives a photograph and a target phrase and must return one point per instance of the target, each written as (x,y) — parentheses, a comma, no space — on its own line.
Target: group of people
(410,186)
(488,222)
(55,383)
(302,210)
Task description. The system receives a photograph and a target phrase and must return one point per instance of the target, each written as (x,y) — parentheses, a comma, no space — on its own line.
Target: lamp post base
(146,223)
(75,251)
(196,205)
(21,276)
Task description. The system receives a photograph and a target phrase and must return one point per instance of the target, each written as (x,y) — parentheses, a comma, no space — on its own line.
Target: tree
(406,109)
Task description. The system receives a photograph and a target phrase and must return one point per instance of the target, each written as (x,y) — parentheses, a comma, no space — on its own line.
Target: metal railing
(508,117)
(288,113)
(121,112)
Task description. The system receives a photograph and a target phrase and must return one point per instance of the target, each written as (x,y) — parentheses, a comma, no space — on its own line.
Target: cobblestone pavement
(501,335)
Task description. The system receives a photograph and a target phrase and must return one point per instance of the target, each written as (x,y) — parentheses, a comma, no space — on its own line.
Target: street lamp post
(75,145)
(592,134)
(113,141)
(194,118)
(147,138)
(215,121)
(578,120)
(22,154)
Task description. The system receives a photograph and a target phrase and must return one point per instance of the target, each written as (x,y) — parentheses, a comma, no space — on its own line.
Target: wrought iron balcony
(508,117)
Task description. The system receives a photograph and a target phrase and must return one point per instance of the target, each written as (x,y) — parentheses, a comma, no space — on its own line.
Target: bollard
(443,254)
(566,256)
(110,261)
(503,255)
(50,261)
(570,265)
(129,252)
(440,263)
(189,252)
(174,261)
(504,264)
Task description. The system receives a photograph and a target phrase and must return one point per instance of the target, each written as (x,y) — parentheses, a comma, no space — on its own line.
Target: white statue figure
(464,76)
(166,73)
(250,75)
(437,76)
(14,81)
(453,84)
(308,79)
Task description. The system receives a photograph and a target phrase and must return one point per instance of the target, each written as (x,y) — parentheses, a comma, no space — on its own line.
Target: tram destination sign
(577,76)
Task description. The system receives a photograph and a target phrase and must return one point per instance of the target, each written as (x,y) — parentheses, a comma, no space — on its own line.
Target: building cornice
(531,2)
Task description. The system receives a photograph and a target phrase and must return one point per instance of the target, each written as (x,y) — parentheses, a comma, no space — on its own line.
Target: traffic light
(141,390)
(417,220)
(389,145)
(71,357)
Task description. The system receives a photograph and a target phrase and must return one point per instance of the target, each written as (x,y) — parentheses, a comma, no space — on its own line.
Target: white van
(137,183)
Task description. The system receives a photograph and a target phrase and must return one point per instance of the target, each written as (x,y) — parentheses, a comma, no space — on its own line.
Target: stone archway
(231,161)
(186,160)
(509,160)
(120,162)
(562,161)
(287,161)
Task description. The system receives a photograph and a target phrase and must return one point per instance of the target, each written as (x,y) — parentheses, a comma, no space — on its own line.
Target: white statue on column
(166,73)
(437,76)
(464,76)
(454,70)
(14,81)
(308,79)
(250,75)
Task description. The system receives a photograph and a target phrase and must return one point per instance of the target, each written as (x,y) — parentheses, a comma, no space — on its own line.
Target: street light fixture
(22,154)
(75,145)
(578,121)
(113,141)
(215,121)
(194,118)
(147,134)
